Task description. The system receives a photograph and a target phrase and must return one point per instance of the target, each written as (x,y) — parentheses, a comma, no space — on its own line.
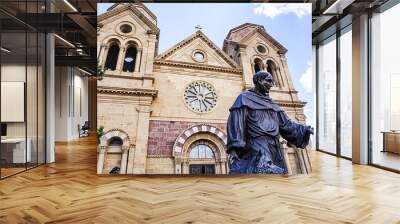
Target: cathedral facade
(166,112)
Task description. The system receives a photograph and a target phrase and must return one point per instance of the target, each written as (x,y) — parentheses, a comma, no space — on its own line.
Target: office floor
(387,159)
(69,191)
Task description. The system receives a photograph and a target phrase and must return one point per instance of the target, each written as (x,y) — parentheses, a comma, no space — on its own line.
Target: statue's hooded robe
(254,125)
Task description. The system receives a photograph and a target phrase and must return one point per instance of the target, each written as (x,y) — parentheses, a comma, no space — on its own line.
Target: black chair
(84,130)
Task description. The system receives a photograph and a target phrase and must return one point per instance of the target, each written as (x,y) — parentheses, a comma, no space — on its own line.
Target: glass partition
(327,95)
(346,92)
(385,89)
(22,77)
(14,145)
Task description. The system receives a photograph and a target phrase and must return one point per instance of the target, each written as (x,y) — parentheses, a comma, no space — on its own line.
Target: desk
(17,146)
(391,141)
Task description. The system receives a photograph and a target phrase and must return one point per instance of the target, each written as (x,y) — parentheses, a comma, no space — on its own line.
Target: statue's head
(263,81)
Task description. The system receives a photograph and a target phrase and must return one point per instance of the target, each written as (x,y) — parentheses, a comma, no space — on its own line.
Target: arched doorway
(200,149)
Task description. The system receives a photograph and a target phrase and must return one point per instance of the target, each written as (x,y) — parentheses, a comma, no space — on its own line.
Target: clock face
(200,96)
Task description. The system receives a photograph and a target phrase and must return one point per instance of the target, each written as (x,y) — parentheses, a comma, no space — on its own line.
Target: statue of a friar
(254,125)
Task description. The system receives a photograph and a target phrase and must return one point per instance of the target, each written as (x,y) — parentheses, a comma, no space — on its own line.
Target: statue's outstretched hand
(310,130)
(233,156)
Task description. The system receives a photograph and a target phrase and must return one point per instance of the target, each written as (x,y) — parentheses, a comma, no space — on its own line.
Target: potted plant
(100,132)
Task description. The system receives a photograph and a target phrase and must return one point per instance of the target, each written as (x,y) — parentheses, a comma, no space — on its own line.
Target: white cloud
(275,9)
(306,78)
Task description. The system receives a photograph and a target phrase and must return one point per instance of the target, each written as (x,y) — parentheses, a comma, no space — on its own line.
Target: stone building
(165,113)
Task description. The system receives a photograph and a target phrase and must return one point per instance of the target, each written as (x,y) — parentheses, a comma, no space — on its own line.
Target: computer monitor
(3,129)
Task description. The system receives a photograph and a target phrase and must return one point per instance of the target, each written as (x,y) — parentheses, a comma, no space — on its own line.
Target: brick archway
(104,140)
(195,133)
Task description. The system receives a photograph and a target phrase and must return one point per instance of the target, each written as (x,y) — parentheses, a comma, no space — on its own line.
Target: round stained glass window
(200,96)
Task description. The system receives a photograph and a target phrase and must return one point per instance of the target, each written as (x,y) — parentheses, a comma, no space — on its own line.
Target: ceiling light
(70,5)
(5,50)
(337,7)
(64,40)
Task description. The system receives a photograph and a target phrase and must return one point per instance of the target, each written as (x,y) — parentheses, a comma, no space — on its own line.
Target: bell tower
(128,39)
(254,50)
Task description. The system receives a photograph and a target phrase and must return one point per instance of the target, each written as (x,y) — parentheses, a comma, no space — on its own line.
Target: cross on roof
(198,27)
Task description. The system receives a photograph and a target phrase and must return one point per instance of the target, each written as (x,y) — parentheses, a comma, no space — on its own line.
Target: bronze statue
(254,125)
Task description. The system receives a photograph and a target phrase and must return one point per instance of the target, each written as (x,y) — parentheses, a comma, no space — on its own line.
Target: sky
(288,23)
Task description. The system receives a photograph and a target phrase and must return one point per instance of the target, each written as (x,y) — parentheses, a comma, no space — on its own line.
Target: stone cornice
(197,66)
(127,91)
(296,104)
(202,36)
(160,156)
(147,77)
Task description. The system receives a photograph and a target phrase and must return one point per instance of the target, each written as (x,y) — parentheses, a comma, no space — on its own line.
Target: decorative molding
(127,91)
(197,66)
(295,104)
(202,36)
(160,156)
(144,77)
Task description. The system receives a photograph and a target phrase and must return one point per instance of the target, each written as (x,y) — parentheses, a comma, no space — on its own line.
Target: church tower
(254,50)
(128,39)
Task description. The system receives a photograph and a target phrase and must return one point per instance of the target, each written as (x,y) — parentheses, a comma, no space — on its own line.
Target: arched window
(130,59)
(112,57)
(271,68)
(257,65)
(201,151)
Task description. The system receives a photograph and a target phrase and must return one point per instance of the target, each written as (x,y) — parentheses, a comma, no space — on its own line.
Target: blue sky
(289,24)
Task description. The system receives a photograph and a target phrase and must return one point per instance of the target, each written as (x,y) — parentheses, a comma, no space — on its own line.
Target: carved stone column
(124,159)
(185,168)
(121,57)
(218,167)
(103,55)
(138,59)
(100,159)
(223,166)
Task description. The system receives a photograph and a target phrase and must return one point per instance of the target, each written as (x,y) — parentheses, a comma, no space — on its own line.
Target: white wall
(71,102)
(16,73)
